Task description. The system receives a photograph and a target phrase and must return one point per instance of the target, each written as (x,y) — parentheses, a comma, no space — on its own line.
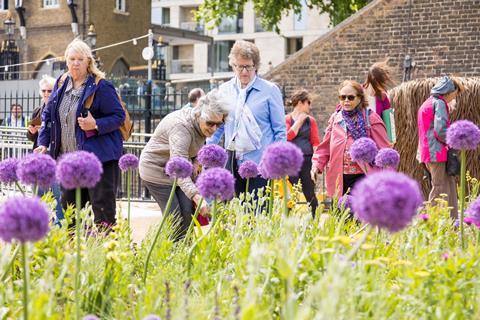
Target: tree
(271,11)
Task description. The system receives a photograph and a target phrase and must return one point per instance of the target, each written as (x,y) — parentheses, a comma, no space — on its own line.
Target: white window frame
(2,5)
(49,4)
(121,5)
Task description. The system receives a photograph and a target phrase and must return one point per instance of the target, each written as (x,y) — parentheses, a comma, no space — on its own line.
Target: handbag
(453,164)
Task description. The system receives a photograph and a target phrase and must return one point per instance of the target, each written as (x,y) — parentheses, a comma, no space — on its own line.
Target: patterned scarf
(355,123)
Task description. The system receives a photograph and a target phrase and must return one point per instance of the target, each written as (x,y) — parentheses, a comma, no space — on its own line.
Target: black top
(302,140)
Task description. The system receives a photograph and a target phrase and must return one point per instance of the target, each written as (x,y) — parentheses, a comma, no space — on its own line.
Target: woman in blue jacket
(67,126)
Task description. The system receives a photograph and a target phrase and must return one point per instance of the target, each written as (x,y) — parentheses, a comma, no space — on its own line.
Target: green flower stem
(164,218)
(366,168)
(25,280)
(129,188)
(285,197)
(35,190)
(9,264)
(463,170)
(195,215)
(270,202)
(246,188)
(20,188)
(78,198)
(359,243)
(192,249)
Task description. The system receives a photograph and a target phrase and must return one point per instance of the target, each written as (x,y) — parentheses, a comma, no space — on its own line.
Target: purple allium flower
(345,202)
(79,169)
(8,170)
(424,216)
(387,158)
(37,170)
(23,219)
(468,220)
(248,169)
(445,256)
(386,199)
(282,159)
(178,167)
(128,161)
(261,170)
(473,213)
(90,317)
(216,183)
(152,317)
(363,150)
(212,156)
(463,135)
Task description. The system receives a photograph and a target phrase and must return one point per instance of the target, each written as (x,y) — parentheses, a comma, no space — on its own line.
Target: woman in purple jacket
(68,126)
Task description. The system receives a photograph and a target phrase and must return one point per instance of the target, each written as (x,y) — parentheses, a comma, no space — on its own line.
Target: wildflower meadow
(381,252)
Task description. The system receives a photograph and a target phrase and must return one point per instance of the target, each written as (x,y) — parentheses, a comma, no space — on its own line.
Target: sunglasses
(43,91)
(344,97)
(212,124)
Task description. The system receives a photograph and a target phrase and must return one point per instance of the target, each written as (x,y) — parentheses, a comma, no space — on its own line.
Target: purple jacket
(107,144)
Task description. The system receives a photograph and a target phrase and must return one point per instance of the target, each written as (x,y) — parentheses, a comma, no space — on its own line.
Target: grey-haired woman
(181,133)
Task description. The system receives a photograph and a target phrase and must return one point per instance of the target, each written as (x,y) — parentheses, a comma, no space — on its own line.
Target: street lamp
(92,38)
(9,52)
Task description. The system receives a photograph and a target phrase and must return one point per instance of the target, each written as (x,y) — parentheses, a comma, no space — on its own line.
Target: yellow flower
(290,204)
(112,256)
(110,245)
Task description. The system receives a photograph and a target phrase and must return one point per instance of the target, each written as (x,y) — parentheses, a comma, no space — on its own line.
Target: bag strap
(89,101)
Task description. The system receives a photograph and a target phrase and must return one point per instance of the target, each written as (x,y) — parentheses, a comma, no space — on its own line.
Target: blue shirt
(266,104)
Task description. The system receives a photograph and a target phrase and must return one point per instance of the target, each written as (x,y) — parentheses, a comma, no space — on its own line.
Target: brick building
(48,25)
(441,36)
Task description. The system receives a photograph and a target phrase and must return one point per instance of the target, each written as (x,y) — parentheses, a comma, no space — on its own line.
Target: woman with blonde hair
(302,130)
(351,122)
(69,124)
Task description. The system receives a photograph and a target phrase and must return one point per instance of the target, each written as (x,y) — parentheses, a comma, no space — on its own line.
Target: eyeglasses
(247,67)
(212,124)
(45,90)
(344,97)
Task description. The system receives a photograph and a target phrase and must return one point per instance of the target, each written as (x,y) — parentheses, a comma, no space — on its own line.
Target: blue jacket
(107,144)
(265,101)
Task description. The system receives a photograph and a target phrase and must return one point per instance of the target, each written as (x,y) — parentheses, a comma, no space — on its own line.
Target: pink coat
(331,150)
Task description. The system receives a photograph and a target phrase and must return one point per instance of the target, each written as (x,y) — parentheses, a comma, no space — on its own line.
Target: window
(221,50)
(3,4)
(293,45)
(120,6)
(232,24)
(165,15)
(51,3)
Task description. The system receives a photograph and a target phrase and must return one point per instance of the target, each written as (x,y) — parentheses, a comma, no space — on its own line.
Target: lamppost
(91,40)
(9,51)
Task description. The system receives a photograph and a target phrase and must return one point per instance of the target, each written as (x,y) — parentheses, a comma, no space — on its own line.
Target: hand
(32,129)
(87,123)
(40,149)
(314,172)
(301,117)
(204,209)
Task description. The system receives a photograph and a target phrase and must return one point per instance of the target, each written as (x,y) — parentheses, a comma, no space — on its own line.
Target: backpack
(126,129)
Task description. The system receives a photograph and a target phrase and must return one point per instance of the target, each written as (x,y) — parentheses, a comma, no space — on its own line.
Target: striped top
(68,117)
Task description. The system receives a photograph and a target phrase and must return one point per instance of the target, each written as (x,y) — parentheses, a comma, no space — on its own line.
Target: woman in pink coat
(351,122)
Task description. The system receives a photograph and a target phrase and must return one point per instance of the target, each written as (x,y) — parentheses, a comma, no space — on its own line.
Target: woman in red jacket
(302,130)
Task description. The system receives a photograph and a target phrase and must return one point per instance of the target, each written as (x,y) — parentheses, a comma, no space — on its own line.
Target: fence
(14,143)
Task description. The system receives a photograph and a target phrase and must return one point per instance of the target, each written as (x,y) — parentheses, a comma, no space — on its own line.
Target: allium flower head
(8,170)
(128,161)
(363,150)
(472,213)
(424,216)
(152,317)
(282,159)
(212,156)
(387,158)
(90,317)
(248,169)
(261,170)
(37,169)
(463,135)
(216,183)
(345,202)
(79,169)
(23,219)
(178,167)
(386,199)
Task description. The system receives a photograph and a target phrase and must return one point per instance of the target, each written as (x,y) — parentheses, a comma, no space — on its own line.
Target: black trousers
(240,183)
(102,197)
(308,186)
(181,207)
(349,181)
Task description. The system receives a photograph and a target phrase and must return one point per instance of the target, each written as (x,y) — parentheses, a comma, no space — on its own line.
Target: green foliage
(213,11)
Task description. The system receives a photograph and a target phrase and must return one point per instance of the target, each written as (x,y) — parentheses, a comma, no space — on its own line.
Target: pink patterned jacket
(433,122)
